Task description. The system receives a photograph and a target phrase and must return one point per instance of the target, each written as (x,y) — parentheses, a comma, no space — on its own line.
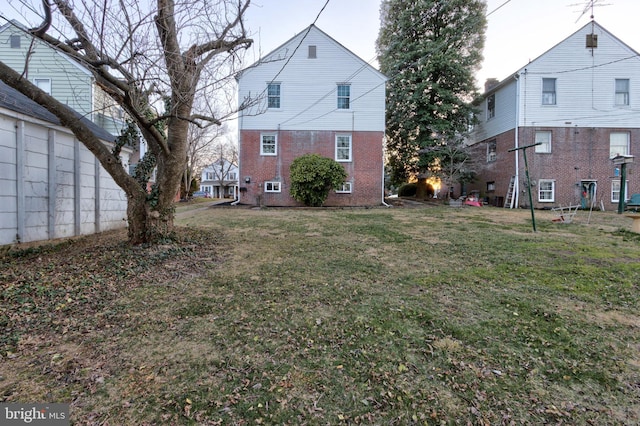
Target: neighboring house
(580,101)
(311,95)
(60,76)
(220,179)
(51,186)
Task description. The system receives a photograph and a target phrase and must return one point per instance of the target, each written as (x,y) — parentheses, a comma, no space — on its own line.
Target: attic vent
(592,41)
(312,52)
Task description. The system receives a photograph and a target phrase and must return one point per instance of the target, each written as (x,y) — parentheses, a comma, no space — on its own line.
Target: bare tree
(202,150)
(153,59)
(226,159)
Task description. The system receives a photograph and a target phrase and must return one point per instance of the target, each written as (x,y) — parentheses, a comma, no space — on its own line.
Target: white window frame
(272,186)
(491,106)
(622,93)
(343,97)
(615,147)
(551,191)
(346,188)
(276,98)
(275,144)
(340,150)
(492,154)
(550,97)
(543,136)
(43,84)
(615,190)
(232,176)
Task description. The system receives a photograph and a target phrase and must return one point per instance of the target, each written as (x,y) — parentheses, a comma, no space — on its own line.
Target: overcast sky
(518,30)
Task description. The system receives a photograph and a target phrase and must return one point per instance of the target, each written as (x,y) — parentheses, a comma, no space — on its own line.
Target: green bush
(407,190)
(313,176)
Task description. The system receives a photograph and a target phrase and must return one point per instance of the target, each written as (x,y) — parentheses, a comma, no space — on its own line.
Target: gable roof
(300,38)
(595,25)
(15,101)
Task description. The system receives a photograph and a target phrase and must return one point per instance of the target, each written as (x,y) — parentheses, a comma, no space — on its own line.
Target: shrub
(407,190)
(313,176)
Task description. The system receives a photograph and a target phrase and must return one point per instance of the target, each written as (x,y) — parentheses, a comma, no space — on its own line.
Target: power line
(497,8)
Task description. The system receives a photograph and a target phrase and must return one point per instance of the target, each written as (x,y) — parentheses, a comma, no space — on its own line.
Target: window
(15,41)
(618,144)
(548,91)
(43,83)
(615,191)
(344,94)
(273,94)
(272,187)
(491,186)
(268,144)
(344,189)
(208,176)
(312,52)
(491,152)
(491,106)
(622,91)
(343,148)
(232,176)
(546,190)
(543,137)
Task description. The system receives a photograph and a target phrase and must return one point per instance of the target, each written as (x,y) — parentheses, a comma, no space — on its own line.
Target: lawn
(430,315)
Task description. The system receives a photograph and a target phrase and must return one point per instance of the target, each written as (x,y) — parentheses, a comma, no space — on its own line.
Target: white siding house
(311,95)
(220,179)
(581,100)
(60,76)
(51,186)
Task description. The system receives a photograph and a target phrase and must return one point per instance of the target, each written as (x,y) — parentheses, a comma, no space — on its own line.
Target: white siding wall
(585,84)
(44,197)
(505,113)
(308,88)
(70,84)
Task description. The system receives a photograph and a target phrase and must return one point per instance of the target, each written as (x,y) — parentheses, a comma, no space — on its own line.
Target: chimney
(490,84)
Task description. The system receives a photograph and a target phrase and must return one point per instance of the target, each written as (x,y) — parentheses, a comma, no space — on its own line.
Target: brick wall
(365,171)
(578,154)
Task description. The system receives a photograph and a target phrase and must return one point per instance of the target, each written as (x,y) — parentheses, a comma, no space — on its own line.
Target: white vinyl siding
(310,100)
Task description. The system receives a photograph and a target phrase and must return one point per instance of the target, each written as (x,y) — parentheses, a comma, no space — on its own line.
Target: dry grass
(328,316)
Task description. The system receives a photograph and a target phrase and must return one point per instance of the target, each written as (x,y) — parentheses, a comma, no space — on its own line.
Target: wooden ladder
(510,198)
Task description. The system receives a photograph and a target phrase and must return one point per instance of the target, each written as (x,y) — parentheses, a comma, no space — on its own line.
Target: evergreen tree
(430,50)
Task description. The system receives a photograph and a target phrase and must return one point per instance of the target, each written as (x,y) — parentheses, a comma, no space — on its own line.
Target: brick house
(311,95)
(579,101)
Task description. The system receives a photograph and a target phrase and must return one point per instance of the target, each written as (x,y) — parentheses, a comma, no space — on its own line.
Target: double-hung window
(622,91)
(546,190)
(344,96)
(615,191)
(548,91)
(544,138)
(618,144)
(268,144)
(491,106)
(343,148)
(273,95)
(491,152)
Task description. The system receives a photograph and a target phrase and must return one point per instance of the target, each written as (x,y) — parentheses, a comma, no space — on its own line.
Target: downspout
(516,189)
(238,192)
